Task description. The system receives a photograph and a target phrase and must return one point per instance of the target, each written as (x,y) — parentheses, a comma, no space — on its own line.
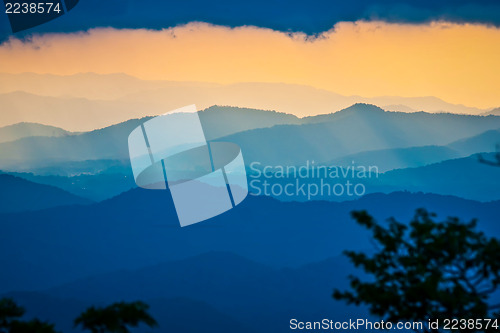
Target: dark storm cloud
(313,16)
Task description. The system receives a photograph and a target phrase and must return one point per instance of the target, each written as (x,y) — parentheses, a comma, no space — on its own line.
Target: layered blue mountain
(140,228)
(398,158)
(465,177)
(322,138)
(260,264)
(484,142)
(356,129)
(468,178)
(228,287)
(111,142)
(80,168)
(257,266)
(17,194)
(95,180)
(95,165)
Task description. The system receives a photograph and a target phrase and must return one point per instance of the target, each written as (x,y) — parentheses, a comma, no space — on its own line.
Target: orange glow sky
(458,63)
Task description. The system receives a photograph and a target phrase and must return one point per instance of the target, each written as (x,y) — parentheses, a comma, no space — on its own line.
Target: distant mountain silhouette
(398,108)
(74,114)
(81,85)
(106,95)
(219,121)
(484,142)
(140,228)
(494,112)
(23,130)
(17,194)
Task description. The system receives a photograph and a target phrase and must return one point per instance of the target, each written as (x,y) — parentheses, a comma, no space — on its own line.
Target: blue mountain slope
(484,142)
(105,143)
(102,179)
(399,158)
(227,293)
(80,168)
(95,187)
(140,228)
(463,177)
(17,194)
(260,297)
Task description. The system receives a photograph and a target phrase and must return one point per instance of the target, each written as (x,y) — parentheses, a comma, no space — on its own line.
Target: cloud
(456,62)
(311,17)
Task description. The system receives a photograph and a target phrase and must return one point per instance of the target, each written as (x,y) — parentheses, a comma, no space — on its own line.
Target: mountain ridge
(18,194)
(107,95)
(140,228)
(26,129)
(358,128)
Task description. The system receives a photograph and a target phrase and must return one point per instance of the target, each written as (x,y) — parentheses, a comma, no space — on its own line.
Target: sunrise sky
(450,51)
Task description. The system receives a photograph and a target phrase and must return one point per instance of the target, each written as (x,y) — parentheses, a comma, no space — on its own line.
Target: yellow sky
(458,63)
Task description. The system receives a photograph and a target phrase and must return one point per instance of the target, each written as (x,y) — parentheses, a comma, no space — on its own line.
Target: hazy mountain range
(94,165)
(84,102)
(356,129)
(75,231)
(322,138)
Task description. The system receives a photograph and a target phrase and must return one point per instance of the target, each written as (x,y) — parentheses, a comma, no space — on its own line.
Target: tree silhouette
(10,313)
(115,318)
(426,270)
(32,326)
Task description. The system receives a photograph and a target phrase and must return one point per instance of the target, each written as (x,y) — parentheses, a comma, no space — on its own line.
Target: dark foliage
(426,269)
(10,322)
(116,318)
